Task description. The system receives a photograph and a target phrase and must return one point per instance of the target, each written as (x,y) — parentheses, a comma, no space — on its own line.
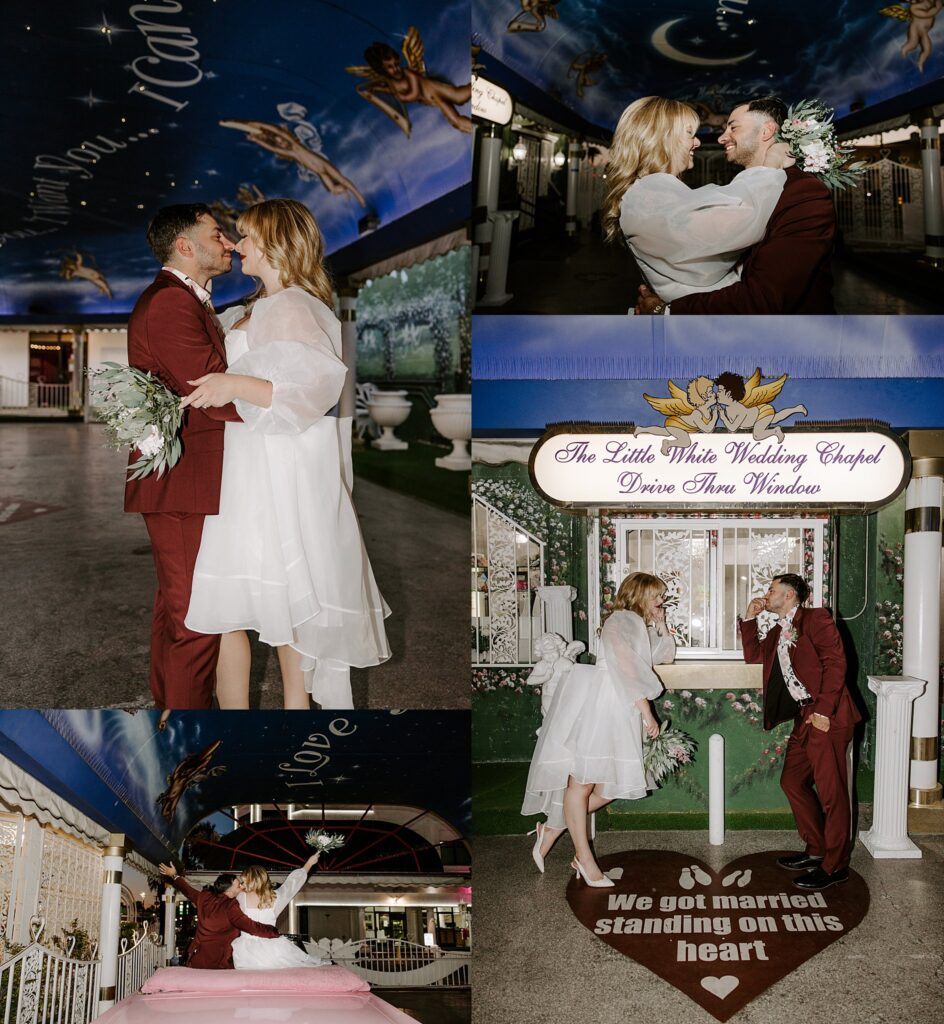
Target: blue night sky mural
(597,56)
(124,107)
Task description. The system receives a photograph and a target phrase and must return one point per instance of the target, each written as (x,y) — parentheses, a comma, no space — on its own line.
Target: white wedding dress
(689,240)
(251,953)
(593,730)
(284,557)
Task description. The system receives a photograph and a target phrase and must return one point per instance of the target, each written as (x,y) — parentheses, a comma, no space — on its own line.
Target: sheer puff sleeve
(289,889)
(626,647)
(294,342)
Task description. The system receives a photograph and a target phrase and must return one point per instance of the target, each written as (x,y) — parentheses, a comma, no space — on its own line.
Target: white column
(495,293)
(573,185)
(486,192)
(346,404)
(170,922)
(888,836)
(933,206)
(716,790)
(558,617)
(921,624)
(109,927)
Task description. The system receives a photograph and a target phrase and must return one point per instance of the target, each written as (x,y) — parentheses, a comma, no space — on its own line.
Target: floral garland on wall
(889,612)
(492,680)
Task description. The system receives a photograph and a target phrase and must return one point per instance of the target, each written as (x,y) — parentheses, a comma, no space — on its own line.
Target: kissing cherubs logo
(729,400)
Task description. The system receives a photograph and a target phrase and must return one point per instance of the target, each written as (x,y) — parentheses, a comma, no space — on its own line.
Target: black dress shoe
(799,862)
(820,879)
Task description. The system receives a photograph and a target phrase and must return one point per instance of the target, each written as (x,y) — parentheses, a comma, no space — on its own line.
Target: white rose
(151,442)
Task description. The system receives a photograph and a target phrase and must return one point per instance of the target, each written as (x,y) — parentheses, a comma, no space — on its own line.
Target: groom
(174,334)
(788,270)
(219,920)
(805,679)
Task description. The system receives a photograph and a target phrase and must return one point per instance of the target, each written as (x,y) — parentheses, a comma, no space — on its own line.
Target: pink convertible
(296,995)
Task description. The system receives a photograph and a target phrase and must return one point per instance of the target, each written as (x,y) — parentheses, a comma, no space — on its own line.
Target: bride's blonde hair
(257,881)
(290,240)
(647,140)
(636,591)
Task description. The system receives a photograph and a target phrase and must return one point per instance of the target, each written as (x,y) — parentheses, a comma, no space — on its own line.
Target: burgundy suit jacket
(788,270)
(818,659)
(173,335)
(219,921)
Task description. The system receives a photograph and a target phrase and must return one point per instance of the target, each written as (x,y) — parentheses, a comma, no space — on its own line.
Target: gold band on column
(924,748)
(107,992)
(924,797)
(926,465)
(924,519)
(348,315)
(112,878)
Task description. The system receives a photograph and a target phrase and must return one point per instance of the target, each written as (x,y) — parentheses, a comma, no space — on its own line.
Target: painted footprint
(701,877)
(685,879)
(732,878)
(745,878)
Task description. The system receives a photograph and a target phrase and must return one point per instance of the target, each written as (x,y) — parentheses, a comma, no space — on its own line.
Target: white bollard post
(110,921)
(888,836)
(716,790)
(495,293)
(170,923)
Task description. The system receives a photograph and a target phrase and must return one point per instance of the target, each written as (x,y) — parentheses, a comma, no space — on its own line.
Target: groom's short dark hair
(796,583)
(222,883)
(169,223)
(770,106)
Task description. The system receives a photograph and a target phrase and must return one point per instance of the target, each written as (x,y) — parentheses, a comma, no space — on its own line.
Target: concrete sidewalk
(77,585)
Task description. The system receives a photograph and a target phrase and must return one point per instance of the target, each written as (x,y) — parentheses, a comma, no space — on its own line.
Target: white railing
(138,961)
(21,394)
(392,963)
(40,986)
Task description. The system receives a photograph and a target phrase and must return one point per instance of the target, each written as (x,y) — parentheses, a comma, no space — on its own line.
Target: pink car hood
(255,1007)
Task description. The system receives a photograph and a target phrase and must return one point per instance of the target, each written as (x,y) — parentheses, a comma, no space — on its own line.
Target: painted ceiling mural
(358,109)
(155,777)
(596,56)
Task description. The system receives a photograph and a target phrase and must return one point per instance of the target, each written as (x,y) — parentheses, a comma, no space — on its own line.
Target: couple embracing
(590,746)
(253,528)
(761,244)
(236,918)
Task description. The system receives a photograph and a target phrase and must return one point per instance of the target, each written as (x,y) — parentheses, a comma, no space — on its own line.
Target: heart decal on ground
(720,937)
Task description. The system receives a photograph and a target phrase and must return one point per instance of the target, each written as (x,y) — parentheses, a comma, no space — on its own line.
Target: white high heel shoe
(538,830)
(602,883)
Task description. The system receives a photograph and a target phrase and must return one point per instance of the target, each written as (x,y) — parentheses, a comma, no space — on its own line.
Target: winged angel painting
(728,399)
(387,76)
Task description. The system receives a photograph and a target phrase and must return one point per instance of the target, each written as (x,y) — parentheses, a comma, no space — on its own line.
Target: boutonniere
(788,635)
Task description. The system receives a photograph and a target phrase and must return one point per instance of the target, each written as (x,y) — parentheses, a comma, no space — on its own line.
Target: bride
(590,746)
(684,239)
(284,557)
(264,904)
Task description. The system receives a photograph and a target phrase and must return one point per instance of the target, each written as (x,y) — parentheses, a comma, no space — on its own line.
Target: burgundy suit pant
(823,815)
(183,663)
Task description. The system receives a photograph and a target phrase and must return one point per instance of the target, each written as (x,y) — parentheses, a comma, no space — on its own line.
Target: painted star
(211,173)
(697,41)
(340,778)
(104,29)
(91,100)
(210,74)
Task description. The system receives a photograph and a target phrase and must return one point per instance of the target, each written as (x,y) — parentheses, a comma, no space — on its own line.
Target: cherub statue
(533,15)
(694,410)
(920,17)
(411,84)
(557,658)
(583,65)
(74,266)
(193,769)
(744,404)
(282,141)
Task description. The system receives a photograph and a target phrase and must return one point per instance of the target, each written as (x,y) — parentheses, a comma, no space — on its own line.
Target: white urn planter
(388,409)
(452,417)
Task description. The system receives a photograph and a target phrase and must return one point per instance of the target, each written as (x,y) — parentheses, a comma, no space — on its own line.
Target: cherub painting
(282,141)
(192,770)
(386,74)
(736,403)
(744,404)
(920,16)
(74,265)
(694,410)
(584,65)
(533,15)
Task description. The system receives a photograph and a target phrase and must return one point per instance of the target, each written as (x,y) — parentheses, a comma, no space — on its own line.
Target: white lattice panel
(70,886)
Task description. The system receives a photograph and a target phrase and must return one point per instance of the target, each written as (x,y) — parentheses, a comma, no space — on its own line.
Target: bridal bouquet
(665,754)
(811,135)
(139,413)
(323,841)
